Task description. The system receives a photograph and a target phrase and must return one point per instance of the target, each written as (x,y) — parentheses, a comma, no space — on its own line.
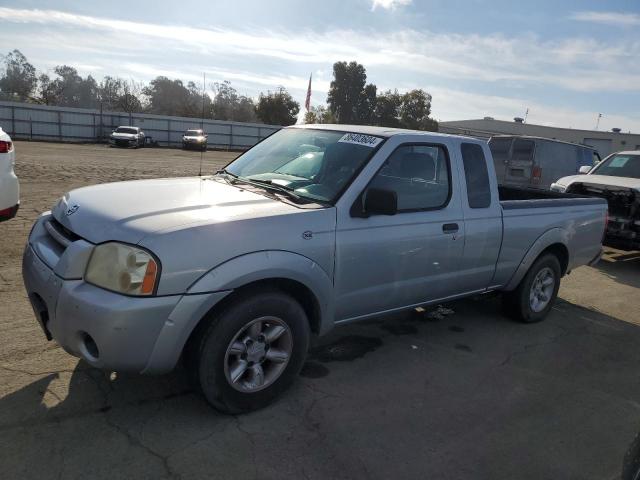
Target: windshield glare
(315,164)
(126,130)
(619,165)
(193,133)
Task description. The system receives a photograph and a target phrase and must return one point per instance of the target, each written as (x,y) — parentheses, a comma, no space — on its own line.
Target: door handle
(450,228)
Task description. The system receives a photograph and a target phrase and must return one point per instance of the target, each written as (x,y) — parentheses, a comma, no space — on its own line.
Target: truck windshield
(314,164)
(619,165)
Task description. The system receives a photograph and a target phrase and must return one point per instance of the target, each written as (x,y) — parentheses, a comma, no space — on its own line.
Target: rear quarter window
(476,175)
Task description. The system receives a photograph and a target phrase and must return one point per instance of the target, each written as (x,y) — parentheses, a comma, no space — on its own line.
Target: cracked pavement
(462,394)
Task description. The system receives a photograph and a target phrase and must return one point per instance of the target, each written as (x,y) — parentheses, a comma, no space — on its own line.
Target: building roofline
(453,122)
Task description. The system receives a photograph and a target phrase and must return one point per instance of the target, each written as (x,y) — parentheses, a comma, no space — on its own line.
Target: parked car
(616,179)
(127,137)
(9,185)
(194,139)
(537,162)
(235,271)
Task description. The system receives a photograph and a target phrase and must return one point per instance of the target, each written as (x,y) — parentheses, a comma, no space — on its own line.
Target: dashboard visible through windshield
(313,164)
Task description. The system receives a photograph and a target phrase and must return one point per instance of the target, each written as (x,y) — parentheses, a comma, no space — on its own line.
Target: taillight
(5,146)
(606,224)
(536,174)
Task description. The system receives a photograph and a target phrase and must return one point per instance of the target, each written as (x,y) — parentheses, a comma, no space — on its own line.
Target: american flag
(307,103)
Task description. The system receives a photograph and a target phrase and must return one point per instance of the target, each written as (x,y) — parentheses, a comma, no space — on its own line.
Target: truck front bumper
(109,330)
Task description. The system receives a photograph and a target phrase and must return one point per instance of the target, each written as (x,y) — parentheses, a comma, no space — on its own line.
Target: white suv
(9,187)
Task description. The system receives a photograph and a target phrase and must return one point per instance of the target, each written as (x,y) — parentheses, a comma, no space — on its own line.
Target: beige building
(604,142)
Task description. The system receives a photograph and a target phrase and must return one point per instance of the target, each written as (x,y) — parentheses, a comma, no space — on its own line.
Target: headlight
(122,268)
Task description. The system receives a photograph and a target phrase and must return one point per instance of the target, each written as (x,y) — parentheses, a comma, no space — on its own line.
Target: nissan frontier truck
(314,227)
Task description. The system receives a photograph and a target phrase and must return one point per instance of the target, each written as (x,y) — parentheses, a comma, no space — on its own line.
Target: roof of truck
(376,131)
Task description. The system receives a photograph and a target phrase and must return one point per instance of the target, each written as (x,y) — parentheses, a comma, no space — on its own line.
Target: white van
(9,187)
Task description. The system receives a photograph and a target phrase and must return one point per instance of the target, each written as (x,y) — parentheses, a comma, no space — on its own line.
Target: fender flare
(220,281)
(548,238)
(272,264)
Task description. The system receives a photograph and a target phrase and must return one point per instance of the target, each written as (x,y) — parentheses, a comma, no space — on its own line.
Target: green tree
(319,114)
(46,90)
(170,97)
(71,90)
(19,80)
(277,108)
(228,105)
(110,91)
(387,111)
(415,111)
(350,99)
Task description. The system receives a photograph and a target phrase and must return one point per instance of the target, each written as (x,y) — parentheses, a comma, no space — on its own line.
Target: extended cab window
(475,172)
(419,174)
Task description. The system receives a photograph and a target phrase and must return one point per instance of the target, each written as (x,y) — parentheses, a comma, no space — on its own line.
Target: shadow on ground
(455,392)
(623,267)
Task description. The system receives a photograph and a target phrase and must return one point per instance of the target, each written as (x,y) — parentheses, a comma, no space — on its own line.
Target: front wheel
(533,298)
(252,351)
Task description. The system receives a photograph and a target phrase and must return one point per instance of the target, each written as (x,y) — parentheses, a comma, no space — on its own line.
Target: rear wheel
(252,351)
(533,298)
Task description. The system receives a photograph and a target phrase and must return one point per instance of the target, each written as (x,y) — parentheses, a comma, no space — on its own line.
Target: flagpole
(307,103)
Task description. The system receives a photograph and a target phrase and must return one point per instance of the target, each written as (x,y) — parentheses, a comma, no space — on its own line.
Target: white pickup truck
(9,186)
(616,179)
(314,227)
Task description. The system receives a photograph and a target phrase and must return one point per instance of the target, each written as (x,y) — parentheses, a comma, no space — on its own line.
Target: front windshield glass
(314,164)
(193,133)
(619,165)
(126,130)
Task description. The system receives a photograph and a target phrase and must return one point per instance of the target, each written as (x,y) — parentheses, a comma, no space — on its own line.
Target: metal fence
(25,121)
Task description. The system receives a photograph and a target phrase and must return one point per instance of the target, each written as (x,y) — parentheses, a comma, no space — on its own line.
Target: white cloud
(575,64)
(608,18)
(450,104)
(389,4)
(258,59)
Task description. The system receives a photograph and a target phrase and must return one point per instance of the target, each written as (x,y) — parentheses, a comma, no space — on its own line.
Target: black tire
(223,327)
(517,303)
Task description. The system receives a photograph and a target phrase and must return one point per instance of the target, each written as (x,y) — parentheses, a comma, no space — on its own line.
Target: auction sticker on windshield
(360,139)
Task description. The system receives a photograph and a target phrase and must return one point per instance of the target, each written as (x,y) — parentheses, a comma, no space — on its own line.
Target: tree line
(350,99)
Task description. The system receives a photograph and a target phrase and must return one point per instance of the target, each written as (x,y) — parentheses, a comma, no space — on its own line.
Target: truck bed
(522,197)
(528,215)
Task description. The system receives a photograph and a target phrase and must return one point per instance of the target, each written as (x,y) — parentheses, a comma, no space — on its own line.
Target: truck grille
(59,233)
(624,212)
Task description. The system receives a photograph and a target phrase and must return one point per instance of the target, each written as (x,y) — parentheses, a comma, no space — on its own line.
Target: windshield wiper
(268,184)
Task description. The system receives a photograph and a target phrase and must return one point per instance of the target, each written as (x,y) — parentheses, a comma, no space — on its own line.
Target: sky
(565,61)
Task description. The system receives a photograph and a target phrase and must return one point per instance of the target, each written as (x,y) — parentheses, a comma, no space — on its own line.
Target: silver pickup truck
(314,227)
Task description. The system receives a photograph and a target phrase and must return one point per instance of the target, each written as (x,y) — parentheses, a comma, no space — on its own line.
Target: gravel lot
(464,393)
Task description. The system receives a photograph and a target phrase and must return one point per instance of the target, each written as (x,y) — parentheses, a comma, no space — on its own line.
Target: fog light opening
(90,347)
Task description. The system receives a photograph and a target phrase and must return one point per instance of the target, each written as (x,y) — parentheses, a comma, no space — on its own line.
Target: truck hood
(124,136)
(130,211)
(602,180)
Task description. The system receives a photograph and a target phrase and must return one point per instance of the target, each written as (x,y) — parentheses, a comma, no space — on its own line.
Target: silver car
(314,227)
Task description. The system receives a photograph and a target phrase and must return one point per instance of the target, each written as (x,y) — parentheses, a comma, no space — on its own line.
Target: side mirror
(584,169)
(378,201)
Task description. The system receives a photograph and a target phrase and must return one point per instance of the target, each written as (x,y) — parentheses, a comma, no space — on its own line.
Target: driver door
(388,262)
